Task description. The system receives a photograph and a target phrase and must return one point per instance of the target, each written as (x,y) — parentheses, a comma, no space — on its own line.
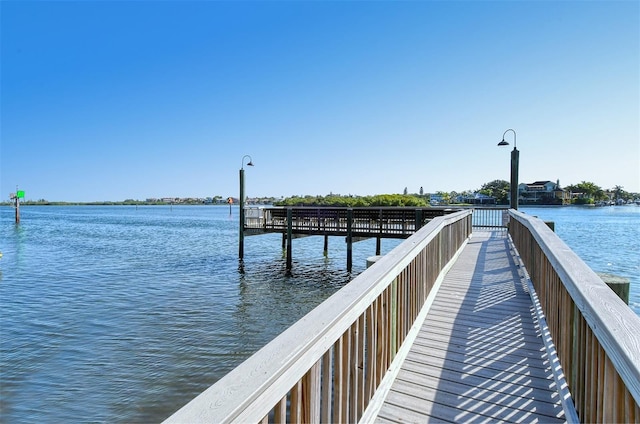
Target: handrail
(384,221)
(328,365)
(596,335)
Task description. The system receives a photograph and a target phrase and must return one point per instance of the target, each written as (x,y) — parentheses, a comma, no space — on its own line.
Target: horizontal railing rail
(490,218)
(398,222)
(596,335)
(391,221)
(327,366)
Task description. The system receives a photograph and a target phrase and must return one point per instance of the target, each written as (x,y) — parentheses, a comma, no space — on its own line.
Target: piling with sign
(19,194)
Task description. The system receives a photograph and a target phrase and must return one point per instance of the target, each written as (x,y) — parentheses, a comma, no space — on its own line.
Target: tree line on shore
(498,189)
(590,193)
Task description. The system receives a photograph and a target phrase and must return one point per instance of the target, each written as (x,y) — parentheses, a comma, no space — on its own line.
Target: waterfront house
(477,199)
(543,193)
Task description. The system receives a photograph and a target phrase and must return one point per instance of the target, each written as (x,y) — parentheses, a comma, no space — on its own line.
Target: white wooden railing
(596,335)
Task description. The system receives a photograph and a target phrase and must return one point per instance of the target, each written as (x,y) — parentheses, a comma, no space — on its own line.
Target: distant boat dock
(353,224)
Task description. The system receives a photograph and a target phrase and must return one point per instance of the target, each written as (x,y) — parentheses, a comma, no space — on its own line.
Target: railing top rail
(615,325)
(286,358)
(437,208)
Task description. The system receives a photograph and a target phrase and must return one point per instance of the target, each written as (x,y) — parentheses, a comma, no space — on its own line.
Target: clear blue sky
(109,100)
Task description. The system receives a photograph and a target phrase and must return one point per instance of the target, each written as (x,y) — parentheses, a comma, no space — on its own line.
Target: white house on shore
(543,193)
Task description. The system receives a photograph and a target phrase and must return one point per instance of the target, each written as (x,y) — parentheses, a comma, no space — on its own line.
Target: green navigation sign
(20,194)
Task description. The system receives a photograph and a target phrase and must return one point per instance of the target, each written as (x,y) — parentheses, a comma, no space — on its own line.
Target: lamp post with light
(241,234)
(515,158)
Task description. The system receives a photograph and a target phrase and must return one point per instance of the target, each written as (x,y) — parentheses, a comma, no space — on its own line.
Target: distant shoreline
(259,202)
(10,204)
(113,204)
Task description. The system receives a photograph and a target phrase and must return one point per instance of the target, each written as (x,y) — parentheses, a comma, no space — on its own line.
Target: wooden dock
(353,224)
(457,324)
(385,222)
(479,355)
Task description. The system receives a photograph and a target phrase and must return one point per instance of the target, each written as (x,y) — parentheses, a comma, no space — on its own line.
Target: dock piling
(289,237)
(349,239)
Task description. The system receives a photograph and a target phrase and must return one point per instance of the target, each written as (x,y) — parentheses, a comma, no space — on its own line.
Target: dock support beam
(241,233)
(326,245)
(349,240)
(515,159)
(17,210)
(16,202)
(379,238)
(289,237)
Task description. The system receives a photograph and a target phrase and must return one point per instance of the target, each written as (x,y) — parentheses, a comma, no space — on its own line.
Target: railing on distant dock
(391,222)
(327,366)
(490,218)
(596,335)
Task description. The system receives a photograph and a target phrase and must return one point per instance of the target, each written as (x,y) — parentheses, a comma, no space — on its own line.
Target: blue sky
(109,100)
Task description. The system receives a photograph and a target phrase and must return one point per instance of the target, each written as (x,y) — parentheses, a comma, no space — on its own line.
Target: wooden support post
(349,240)
(515,159)
(372,260)
(284,241)
(241,229)
(379,238)
(620,285)
(16,202)
(17,210)
(326,245)
(289,237)
(418,219)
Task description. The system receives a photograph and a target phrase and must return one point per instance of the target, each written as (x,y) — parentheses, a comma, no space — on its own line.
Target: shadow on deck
(479,355)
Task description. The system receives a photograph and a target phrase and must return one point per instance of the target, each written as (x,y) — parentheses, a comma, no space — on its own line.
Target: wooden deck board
(498,393)
(504,353)
(479,356)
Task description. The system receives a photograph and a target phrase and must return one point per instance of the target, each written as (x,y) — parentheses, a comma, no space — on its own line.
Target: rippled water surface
(123,314)
(606,238)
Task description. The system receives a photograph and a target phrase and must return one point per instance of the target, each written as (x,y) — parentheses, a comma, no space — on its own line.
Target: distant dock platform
(354,224)
(386,222)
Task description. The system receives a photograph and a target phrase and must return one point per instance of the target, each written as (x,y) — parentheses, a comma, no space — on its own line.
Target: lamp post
(241,234)
(515,158)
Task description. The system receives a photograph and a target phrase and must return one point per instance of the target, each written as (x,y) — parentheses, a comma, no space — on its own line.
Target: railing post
(418,219)
(378,239)
(394,320)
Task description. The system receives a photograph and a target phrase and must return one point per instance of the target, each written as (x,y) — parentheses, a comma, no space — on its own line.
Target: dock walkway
(447,327)
(479,356)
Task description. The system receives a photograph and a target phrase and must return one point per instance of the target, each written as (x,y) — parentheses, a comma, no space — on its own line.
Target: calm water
(118,314)
(123,314)
(606,238)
